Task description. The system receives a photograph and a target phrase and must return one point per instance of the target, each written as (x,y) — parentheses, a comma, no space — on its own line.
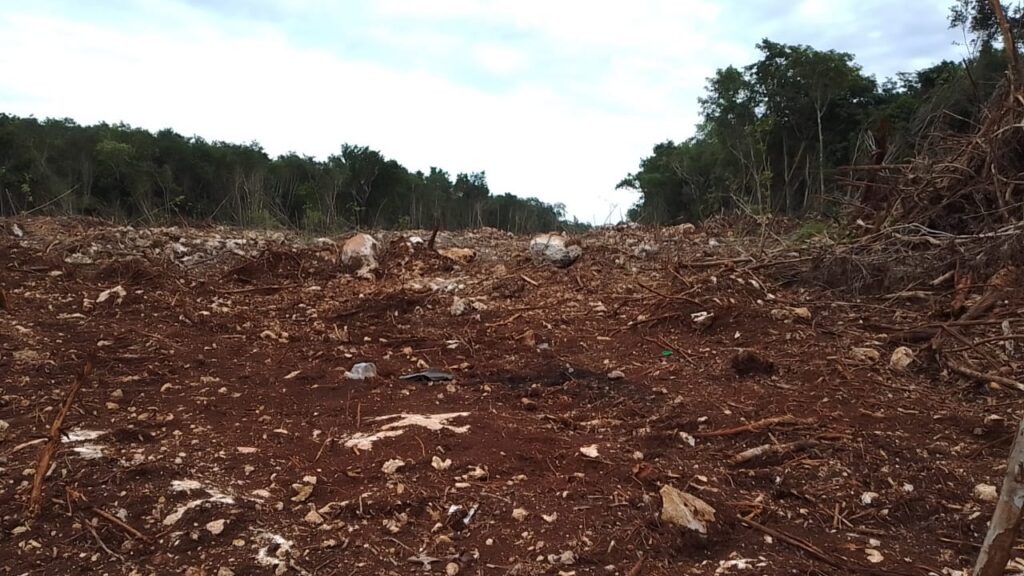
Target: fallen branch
(271,288)
(53,442)
(772,450)
(788,419)
(713,263)
(813,551)
(985,378)
(120,524)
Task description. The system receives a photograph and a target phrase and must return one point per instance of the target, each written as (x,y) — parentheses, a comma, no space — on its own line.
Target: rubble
(555,249)
(685,510)
(361,250)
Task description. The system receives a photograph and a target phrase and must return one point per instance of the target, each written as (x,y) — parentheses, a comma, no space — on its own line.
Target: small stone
(392,466)
(112,406)
(550,518)
(865,355)
(901,359)
(451,569)
(215,527)
(225,571)
(590,451)
(874,556)
(314,518)
(986,493)
(117,394)
(4,428)
(868,498)
(519,514)
(616,375)
(302,492)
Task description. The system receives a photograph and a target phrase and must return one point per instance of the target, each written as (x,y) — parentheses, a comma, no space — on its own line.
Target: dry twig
(53,442)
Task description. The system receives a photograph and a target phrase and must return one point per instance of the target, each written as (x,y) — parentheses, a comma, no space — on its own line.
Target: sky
(557,99)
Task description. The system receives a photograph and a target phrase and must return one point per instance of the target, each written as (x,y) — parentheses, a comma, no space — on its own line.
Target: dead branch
(814,552)
(53,442)
(713,263)
(119,523)
(1002,530)
(763,424)
(771,450)
(985,378)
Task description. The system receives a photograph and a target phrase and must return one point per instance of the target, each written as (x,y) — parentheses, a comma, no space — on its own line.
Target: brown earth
(220,396)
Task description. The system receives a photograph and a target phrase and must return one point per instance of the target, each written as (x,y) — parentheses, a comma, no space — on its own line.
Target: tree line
(56,166)
(778,135)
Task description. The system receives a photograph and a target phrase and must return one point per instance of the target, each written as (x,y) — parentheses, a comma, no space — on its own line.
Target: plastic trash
(362,371)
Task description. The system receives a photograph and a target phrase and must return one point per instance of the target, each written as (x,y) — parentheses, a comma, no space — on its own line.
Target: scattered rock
(747,362)
(685,228)
(4,429)
(567,558)
(616,375)
(225,571)
(117,291)
(874,556)
(901,359)
(362,371)
(790,314)
(702,320)
(459,306)
(460,255)
(868,498)
(302,492)
(215,527)
(361,250)
(313,517)
(865,355)
(519,514)
(555,249)
(986,493)
(590,451)
(451,569)
(439,464)
(16,230)
(685,510)
(392,466)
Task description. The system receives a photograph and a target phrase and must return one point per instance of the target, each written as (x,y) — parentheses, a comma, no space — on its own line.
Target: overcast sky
(557,99)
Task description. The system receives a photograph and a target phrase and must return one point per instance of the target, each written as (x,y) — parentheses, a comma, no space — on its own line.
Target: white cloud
(498,59)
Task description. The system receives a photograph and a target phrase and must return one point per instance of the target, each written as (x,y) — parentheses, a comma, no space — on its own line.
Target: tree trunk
(821,155)
(1009,45)
(1002,530)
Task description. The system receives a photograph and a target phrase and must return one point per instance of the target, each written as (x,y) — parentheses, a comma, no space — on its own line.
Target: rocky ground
(668,404)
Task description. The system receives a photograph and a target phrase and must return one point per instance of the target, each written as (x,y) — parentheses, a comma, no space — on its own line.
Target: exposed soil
(220,396)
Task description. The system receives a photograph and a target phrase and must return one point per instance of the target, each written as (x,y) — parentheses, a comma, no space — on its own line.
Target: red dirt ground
(220,385)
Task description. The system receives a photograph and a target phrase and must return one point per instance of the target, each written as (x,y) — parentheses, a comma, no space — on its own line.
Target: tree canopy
(131,174)
(775,135)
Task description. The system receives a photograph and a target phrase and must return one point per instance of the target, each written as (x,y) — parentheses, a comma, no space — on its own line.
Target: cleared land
(219,431)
